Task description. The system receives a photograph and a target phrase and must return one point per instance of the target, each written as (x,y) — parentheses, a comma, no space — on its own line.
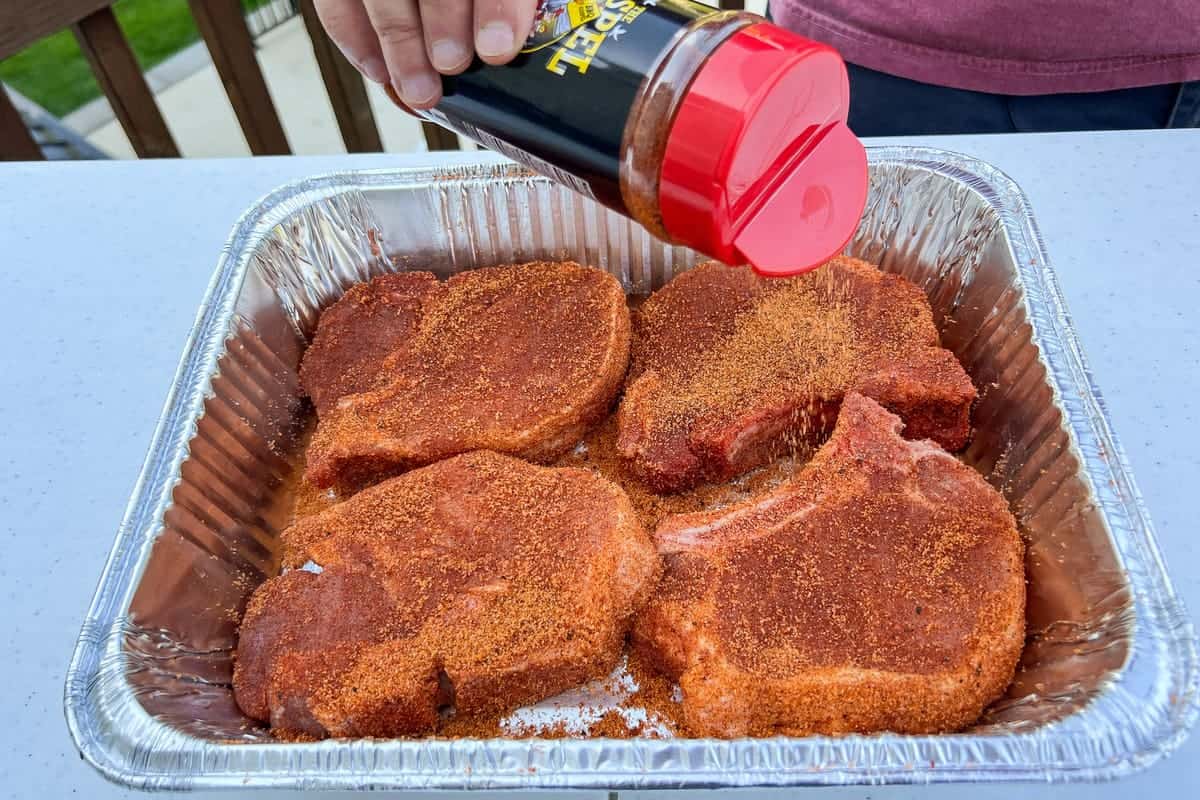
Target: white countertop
(105,263)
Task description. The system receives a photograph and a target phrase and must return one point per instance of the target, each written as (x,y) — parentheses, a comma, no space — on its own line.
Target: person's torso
(1010,46)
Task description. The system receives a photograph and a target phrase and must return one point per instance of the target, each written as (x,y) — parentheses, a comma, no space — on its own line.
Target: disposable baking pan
(1108,682)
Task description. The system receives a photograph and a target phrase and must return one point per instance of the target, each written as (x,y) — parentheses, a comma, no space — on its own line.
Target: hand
(408,42)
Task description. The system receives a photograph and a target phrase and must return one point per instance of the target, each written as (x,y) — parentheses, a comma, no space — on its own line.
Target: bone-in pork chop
(883,589)
(517,359)
(730,369)
(480,583)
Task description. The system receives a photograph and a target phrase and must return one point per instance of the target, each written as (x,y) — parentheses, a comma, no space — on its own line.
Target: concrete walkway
(198,113)
(203,123)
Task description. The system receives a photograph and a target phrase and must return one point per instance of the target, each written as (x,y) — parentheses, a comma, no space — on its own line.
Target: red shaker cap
(759,165)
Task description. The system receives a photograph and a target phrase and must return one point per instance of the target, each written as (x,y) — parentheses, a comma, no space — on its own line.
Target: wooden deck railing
(222,25)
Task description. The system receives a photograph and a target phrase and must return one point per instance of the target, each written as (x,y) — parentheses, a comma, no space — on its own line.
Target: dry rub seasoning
(717,130)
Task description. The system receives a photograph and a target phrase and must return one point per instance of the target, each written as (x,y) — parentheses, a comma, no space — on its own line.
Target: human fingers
(501,27)
(348,26)
(398,25)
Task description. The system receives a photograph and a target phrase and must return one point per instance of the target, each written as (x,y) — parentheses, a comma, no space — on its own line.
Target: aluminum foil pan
(1108,682)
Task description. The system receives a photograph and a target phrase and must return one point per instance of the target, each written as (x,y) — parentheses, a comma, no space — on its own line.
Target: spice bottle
(717,130)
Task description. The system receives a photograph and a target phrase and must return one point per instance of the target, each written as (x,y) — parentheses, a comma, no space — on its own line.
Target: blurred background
(195,61)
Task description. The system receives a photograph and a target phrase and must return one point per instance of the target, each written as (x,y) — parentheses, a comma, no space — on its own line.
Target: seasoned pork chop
(480,583)
(883,589)
(356,334)
(729,369)
(516,359)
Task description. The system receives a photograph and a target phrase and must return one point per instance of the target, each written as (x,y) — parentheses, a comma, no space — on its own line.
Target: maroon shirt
(1010,46)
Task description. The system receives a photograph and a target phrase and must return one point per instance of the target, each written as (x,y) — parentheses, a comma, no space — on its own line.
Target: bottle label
(555,19)
(560,106)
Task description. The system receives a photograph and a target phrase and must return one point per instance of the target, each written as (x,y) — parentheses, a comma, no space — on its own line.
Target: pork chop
(517,359)
(356,334)
(730,369)
(883,589)
(480,583)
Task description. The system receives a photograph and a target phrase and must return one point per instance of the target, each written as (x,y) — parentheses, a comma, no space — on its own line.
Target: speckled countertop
(104,265)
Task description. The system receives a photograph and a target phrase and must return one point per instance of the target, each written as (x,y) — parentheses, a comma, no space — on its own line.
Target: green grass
(54,73)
